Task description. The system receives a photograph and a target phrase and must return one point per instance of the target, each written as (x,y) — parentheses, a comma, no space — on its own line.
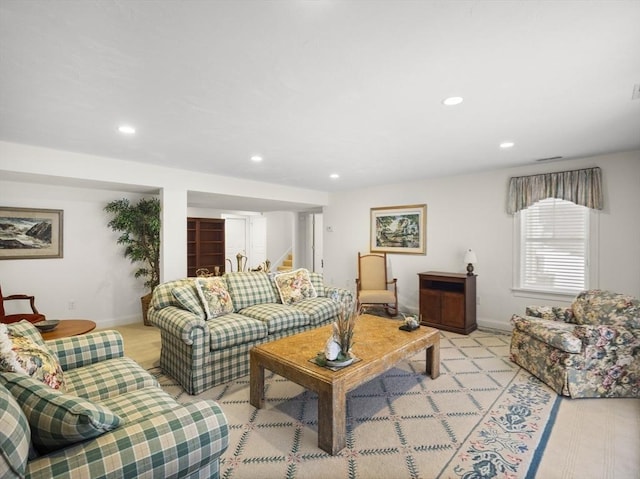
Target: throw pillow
(14,437)
(20,354)
(215,298)
(56,419)
(189,298)
(294,286)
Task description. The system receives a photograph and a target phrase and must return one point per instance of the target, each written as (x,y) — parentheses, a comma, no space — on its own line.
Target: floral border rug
(483,418)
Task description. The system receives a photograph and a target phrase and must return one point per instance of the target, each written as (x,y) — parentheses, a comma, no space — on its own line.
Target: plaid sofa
(200,354)
(156,435)
(591,349)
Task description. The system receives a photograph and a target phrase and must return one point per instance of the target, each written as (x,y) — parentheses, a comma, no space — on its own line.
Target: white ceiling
(321,87)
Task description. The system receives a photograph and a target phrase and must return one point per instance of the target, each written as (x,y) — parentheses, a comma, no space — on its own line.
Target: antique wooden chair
(32,317)
(373,288)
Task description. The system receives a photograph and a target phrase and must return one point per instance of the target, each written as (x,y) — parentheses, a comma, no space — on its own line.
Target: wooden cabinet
(205,244)
(448,301)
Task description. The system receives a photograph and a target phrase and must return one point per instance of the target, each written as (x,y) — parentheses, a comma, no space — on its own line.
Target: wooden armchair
(373,288)
(32,317)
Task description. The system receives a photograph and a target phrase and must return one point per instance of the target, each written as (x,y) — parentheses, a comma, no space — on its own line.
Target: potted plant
(140,227)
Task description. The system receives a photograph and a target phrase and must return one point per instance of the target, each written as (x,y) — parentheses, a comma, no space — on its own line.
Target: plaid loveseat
(202,353)
(154,435)
(591,349)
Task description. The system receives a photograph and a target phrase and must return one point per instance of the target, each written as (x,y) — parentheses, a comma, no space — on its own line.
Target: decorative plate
(48,325)
(339,364)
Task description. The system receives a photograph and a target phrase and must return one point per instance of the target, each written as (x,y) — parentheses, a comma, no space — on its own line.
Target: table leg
(256,382)
(433,359)
(332,420)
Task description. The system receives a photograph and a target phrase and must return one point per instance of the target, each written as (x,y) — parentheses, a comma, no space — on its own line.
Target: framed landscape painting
(28,233)
(399,229)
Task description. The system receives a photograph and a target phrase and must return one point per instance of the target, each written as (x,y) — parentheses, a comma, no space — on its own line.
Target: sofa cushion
(247,289)
(320,310)
(109,378)
(277,317)
(317,279)
(188,298)
(14,437)
(294,286)
(605,307)
(214,296)
(136,405)
(232,329)
(20,354)
(57,419)
(554,333)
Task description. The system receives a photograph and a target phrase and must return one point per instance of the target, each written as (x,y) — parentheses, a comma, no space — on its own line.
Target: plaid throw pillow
(56,419)
(295,286)
(188,297)
(14,436)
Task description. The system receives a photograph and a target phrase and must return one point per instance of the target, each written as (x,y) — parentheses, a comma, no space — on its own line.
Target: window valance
(583,187)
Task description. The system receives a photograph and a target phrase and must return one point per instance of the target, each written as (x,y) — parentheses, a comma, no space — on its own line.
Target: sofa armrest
(551,313)
(173,444)
(178,322)
(341,295)
(77,351)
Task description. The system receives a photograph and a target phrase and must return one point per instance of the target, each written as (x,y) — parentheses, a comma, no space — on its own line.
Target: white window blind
(554,249)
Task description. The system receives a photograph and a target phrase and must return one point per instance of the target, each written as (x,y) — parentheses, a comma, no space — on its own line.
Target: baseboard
(489,324)
(123,321)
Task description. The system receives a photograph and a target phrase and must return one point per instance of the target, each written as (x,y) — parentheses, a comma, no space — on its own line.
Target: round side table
(70,327)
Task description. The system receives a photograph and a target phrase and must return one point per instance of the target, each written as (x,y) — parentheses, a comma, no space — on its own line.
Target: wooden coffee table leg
(332,419)
(433,359)
(256,382)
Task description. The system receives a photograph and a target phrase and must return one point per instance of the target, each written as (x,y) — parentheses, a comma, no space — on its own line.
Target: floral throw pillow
(19,354)
(215,298)
(294,286)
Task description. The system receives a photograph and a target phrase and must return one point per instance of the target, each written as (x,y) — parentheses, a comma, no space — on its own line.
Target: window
(553,247)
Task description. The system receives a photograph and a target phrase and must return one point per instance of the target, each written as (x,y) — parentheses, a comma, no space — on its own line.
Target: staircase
(287,264)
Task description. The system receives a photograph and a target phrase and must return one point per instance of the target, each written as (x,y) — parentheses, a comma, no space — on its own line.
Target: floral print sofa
(209,325)
(591,349)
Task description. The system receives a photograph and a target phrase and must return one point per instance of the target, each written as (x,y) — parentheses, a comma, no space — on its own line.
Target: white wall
(469,212)
(93,272)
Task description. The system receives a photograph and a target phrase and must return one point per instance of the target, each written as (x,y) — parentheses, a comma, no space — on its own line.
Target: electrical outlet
(71,305)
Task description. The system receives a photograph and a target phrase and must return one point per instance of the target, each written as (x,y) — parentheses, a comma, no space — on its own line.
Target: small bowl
(48,325)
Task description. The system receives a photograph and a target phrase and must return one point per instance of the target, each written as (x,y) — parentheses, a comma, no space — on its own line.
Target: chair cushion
(57,419)
(294,286)
(20,354)
(214,296)
(187,296)
(14,436)
(376,296)
(136,405)
(605,307)
(554,333)
(247,289)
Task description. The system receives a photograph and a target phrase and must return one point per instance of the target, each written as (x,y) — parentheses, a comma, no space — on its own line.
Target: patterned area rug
(484,417)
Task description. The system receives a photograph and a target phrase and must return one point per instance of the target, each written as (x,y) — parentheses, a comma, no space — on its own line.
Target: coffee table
(378,344)
(69,327)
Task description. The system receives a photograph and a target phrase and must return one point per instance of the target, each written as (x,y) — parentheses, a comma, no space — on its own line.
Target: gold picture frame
(30,233)
(399,229)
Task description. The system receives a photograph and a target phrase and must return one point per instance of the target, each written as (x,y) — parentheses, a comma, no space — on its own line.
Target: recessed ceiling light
(127,129)
(453,100)
(506,144)
(256,158)
(334,176)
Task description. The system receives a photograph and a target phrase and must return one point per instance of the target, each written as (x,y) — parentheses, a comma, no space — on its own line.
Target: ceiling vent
(636,92)
(551,158)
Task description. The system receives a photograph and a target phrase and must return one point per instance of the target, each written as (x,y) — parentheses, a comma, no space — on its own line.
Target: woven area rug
(484,417)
